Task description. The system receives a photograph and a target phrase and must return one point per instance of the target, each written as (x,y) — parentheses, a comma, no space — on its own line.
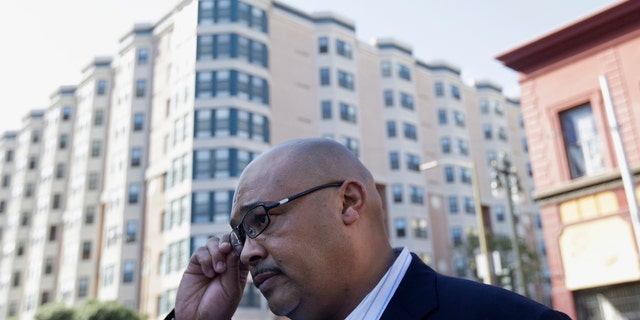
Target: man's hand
(212,285)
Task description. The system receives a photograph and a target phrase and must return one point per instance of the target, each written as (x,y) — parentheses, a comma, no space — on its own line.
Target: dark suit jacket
(425,294)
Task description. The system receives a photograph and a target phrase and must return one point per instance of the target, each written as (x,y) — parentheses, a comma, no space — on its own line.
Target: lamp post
(482,234)
(504,172)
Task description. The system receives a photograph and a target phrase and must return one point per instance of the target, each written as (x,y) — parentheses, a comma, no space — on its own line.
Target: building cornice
(589,32)
(582,187)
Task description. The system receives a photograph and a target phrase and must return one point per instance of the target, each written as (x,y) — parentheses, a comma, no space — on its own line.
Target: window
(498,108)
(404,72)
(439,87)
(456,236)
(107,278)
(131,231)
(8,156)
(325,77)
(442,116)
(62,143)
(410,131)
(420,228)
(491,156)
(449,174)
(6,180)
(53,233)
(463,147)
(66,113)
(15,279)
(453,204)
(129,269)
(20,249)
(488,131)
(582,143)
(323,45)
(28,190)
(134,193)
(391,129)
(385,68)
(3,205)
(459,119)
(484,106)
(89,215)
(469,205)
(406,100)
(35,136)
(57,198)
(445,144)
(529,169)
(48,265)
(59,170)
(502,134)
(136,155)
(86,250)
(98,118)
(499,213)
(455,92)
(401,227)
(94,181)
(101,87)
(347,112)
(344,49)
(141,88)
(143,56)
(26,219)
(388,98)
(96,148)
(222,49)
(346,80)
(394,161)
(201,208)
(83,287)
(138,121)
(33,162)
(465,175)
(397,193)
(417,194)
(352,144)
(326,109)
(525,145)
(413,162)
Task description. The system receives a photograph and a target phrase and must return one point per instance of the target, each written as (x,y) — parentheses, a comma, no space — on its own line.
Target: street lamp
(503,177)
(482,234)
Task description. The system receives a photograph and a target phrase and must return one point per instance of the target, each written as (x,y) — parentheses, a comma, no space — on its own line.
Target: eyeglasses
(257,218)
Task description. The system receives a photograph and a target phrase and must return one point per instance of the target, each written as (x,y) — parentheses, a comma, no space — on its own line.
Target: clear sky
(45,43)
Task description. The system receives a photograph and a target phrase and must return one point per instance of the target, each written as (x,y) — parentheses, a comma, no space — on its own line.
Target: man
(308,224)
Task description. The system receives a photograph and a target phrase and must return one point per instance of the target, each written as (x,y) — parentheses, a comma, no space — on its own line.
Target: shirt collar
(374,304)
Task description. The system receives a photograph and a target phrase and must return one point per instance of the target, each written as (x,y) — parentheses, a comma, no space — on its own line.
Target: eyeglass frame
(241,235)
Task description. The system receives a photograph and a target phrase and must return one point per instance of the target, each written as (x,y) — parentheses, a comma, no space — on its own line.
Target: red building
(567,79)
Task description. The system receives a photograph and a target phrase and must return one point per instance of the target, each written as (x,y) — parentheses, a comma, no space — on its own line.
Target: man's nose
(252,252)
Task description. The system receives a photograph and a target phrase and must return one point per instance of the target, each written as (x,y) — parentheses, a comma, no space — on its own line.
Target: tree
(55,311)
(502,243)
(90,310)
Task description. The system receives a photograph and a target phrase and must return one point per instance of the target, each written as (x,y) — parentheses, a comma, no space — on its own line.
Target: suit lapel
(416,295)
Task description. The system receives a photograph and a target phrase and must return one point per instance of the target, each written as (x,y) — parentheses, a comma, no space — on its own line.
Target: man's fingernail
(220,266)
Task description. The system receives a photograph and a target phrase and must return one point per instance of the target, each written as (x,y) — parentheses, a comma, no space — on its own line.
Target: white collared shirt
(374,304)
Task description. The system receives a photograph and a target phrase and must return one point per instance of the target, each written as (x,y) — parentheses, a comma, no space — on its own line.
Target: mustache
(260,270)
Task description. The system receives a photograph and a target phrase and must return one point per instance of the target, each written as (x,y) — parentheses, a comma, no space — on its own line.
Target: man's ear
(353,201)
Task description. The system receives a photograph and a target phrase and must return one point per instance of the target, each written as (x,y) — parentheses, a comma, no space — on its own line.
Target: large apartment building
(157,136)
